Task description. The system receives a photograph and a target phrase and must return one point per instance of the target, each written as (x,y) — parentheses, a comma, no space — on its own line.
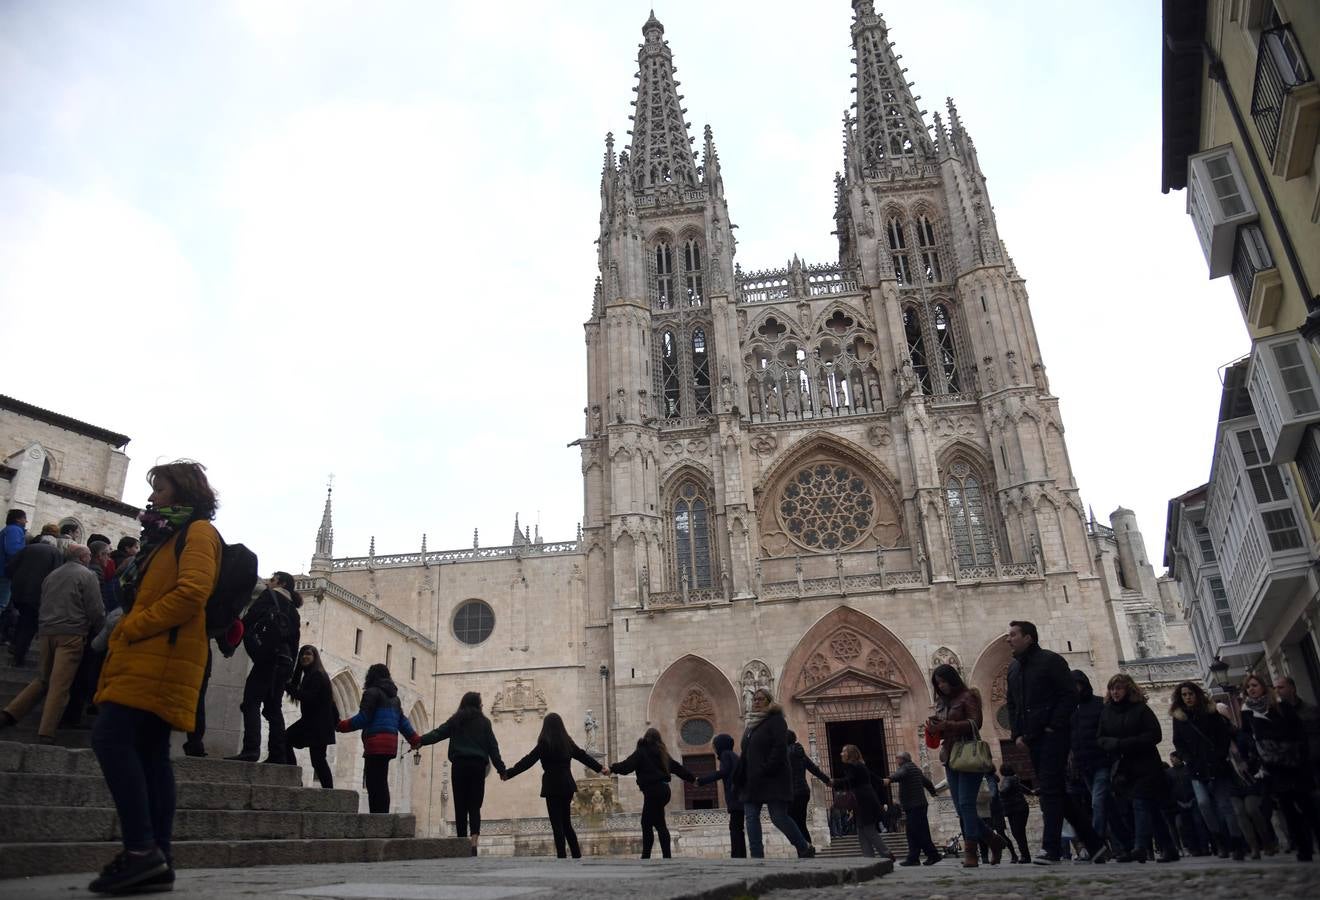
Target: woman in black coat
(315,730)
(1203,739)
(1131,734)
(556,751)
(764,778)
(858,779)
(653,765)
(1276,740)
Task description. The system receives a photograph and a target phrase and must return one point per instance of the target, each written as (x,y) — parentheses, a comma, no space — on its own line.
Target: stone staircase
(848,845)
(56,814)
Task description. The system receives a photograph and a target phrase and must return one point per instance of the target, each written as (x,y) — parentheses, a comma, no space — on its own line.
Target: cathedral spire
(710,165)
(661,146)
(325,535)
(890,127)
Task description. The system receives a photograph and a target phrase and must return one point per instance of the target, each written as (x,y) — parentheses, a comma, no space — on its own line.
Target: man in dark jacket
(1041,700)
(27,571)
(800,764)
(913,785)
(728,762)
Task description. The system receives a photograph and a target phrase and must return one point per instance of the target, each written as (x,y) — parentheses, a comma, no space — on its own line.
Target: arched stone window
(671,390)
(700,371)
(930,254)
(898,251)
(692,271)
(969,516)
(916,346)
(948,350)
(692,550)
(664,276)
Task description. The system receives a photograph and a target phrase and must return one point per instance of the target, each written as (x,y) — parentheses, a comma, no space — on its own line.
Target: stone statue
(644,586)
(726,584)
(907,379)
(595,420)
(592,728)
(620,406)
(772,400)
(726,393)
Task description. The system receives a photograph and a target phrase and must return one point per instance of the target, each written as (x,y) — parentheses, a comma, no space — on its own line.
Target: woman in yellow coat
(153,671)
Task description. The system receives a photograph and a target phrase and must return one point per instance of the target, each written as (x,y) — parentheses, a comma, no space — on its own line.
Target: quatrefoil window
(827,506)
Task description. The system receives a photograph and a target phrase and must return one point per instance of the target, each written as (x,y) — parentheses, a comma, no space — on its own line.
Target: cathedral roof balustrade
(835,586)
(797,281)
(675,195)
(999,571)
(470,554)
(954,398)
(323,587)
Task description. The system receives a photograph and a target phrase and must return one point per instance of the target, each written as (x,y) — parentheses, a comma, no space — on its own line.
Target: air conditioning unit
(1285,392)
(1218,202)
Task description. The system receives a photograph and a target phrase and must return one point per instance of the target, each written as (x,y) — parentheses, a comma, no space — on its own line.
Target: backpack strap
(180,540)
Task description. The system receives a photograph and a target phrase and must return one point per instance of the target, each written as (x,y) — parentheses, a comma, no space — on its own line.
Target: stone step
(32,790)
(20,860)
(25,732)
(26,757)
(58,824)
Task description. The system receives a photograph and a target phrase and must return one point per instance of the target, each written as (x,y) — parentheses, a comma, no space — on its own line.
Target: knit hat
(51,529)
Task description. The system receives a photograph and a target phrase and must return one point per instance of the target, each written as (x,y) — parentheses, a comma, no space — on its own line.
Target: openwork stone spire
(661,146)
(890,128)
(325,535)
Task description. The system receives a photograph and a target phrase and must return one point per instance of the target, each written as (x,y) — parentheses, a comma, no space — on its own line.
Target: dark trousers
(654,800)
(468,777)
(195,742)
(25,629)
(133,748)
(737,833)
(1049,756)
(320,767)
(1017,822)
(561,825)
(918,834)
(798,811)
(376,779)
(1300,815)
(263,695)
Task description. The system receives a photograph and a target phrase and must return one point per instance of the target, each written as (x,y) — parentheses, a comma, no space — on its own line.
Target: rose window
(827,506)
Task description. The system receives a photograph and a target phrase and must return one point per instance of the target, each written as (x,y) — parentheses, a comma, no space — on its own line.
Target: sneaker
(128,870)
(1044,860)
(157,884)
(1101,855)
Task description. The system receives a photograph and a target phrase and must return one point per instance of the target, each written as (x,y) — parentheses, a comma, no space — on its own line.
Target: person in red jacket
(380,718)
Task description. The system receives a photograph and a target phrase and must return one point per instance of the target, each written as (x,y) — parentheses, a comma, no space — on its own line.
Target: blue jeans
(4,593)
(963,787)
(1215,798)
(782,820)
(133,748)
(1147,819)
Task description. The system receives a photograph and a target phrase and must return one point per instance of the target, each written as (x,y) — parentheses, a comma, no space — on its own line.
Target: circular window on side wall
(473,622)
(697,732)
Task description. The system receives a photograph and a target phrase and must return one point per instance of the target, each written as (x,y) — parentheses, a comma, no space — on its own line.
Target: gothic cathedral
(825,479)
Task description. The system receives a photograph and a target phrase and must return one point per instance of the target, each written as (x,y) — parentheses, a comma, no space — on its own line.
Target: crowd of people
(1104,790)
(127,631)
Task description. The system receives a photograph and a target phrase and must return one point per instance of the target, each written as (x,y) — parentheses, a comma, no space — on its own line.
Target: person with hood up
(1204,738)
(913,785)
(555,750)
(728,763)
(801,764)
(1090,764)
(315,730)
(764,778)
(653,765)
(380,718)
(858,779)
(1013,794)
(1130,732)
(472,751)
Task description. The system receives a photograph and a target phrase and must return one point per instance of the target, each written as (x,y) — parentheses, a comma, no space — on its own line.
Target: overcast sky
(295,238)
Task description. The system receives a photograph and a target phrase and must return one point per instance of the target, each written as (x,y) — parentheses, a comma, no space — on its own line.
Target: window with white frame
(1308,465)
(1223,615)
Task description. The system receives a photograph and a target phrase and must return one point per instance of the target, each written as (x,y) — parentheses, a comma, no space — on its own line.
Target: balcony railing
(798,280)
(1280,69)
(1250,256)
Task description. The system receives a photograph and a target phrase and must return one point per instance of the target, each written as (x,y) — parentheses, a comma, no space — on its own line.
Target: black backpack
(266,635)
(233,588)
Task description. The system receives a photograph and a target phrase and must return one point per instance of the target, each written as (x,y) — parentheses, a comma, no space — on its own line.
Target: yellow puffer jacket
(157,653)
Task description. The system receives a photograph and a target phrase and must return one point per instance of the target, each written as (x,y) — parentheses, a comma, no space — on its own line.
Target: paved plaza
(679,879)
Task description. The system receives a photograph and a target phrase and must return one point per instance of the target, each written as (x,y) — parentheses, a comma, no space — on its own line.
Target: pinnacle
(652,24)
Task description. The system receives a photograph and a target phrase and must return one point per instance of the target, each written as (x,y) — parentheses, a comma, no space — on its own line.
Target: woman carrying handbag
(966,758)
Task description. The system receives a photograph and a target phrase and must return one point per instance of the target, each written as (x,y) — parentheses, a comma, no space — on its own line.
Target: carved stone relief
(518,698)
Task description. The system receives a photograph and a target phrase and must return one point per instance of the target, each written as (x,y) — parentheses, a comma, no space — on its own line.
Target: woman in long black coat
(315,730)
(1131,734)
(858,779)
(555,751)
(763,776)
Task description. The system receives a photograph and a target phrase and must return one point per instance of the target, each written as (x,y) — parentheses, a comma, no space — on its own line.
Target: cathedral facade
(825,479)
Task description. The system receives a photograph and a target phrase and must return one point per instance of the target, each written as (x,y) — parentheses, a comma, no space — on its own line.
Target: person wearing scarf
(153,672)
(1276,740)
(764,777)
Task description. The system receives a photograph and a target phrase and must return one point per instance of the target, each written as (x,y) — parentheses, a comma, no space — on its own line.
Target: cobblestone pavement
(494,878)
(1210,880)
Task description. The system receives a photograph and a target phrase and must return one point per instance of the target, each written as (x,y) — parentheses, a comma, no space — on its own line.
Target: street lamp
(1219,673)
